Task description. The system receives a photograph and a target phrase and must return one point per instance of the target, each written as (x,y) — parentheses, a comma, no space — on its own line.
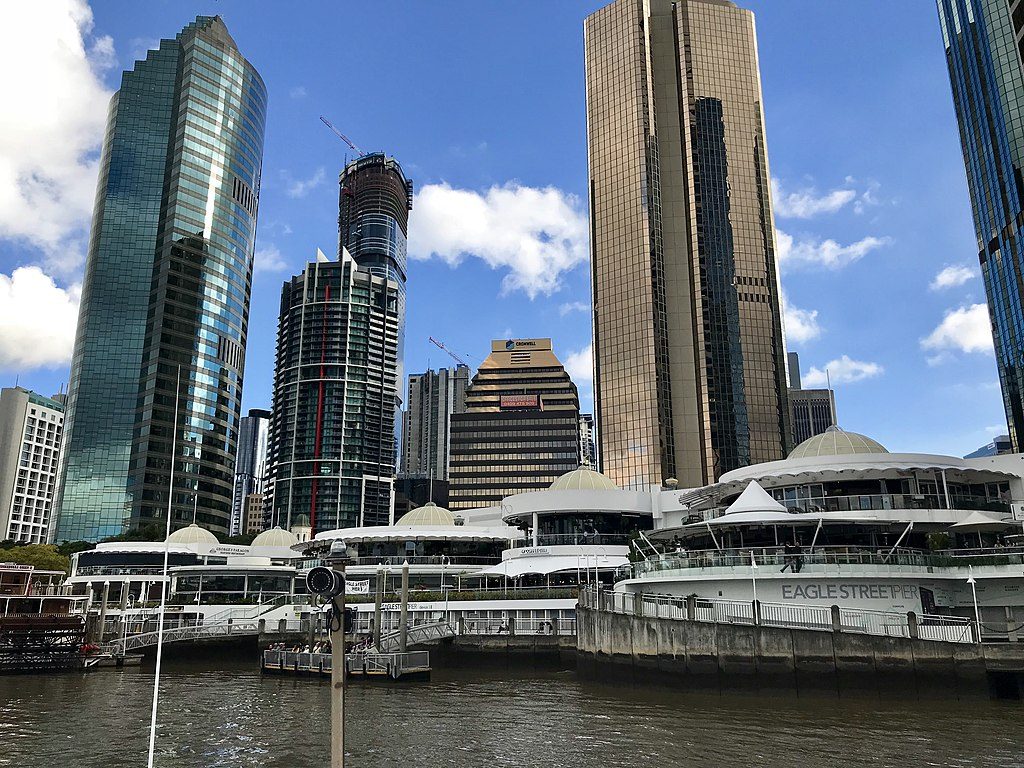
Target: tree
(68,548)
(45,557)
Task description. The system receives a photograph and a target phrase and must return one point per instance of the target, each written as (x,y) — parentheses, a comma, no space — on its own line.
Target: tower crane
(450,354)
(340,135)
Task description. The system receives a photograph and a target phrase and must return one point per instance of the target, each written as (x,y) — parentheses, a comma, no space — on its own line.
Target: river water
(224,713)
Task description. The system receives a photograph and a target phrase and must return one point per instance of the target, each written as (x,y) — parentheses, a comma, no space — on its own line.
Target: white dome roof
(428,514)
(836,442)
(583,479)
(192,534)
(275,537)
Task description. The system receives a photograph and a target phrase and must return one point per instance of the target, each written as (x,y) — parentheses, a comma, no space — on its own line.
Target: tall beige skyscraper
(688,350)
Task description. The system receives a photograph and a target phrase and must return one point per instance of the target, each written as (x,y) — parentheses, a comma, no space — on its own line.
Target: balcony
(881,501)
(575,539)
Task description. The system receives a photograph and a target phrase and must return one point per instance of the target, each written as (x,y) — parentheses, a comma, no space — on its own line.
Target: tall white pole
(166,584)
(753,584)
(974,594)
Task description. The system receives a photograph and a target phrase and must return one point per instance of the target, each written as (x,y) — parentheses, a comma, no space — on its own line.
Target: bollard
(691,608)
(282,626)
(837,624)
(912,624)
(462,625)
(511,625)
(638,604)
(263,626)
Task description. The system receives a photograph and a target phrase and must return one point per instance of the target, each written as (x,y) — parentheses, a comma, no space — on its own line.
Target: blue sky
(483,103)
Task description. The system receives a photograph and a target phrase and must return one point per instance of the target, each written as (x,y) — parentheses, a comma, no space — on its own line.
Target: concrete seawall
(732,656)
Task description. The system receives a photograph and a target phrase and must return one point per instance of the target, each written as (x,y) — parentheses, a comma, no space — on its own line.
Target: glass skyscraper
(167,283)
(433,396)
(984,42)
(332,431)
(689,369)
(250,466)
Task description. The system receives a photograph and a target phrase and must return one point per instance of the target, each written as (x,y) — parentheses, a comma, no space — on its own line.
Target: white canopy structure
(755,499)
(978,522)
(520,566)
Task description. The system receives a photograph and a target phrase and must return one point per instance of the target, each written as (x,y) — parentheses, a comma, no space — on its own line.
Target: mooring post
(103,610)
(912,624)
(638,604)
(837,623)
(691,607)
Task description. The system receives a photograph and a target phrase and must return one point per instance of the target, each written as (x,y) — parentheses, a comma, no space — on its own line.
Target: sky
(483,104)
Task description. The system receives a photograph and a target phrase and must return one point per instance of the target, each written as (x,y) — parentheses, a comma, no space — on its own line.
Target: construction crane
(450,354)
(341,135)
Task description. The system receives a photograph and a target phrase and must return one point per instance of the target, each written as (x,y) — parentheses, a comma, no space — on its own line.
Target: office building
(811,411)
(332,432)
(250,465)
(167,281)
(1000,445)
(984,53)
(31,428)
(254,514)
(588,443)
(688,348)
(520,429)
(426,422)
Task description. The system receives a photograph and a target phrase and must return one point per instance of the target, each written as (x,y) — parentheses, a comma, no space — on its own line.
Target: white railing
(421,633)
(829,618)
(385,664)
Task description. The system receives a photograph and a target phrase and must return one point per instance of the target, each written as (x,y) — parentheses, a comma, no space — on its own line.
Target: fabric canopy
(520,566)
(754,499)
(978,522)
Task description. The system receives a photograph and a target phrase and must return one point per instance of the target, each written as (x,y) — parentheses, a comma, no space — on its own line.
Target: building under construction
(335,388)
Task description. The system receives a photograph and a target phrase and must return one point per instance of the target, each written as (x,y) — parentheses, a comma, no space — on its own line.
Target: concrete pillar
(462,625)
(403,620)
(535,526)
(88,597)
(263,626)
(912,624)
(837,624)
(311,634)
(377,601)
(125,586)
(691,608)
(282,626)
(756,611)
(511,625)
(638,604)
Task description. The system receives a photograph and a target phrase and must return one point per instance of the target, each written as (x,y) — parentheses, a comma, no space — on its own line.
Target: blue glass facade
(986,74)
(167,284)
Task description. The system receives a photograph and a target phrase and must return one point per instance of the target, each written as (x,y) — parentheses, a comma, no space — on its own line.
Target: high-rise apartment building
(520,429)
(332,431)
(250,465)
(373,222)
(166,285)
(426,421)
(811,411)
(984,42)
(254,514)
(31,427)
(688,348)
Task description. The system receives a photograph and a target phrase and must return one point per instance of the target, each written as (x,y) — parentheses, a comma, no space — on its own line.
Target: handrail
(418,633)
(831,618)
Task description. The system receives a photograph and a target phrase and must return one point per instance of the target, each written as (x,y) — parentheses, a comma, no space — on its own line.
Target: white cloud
(801,325)
(51,126)
(807,203)
(37,320)
(966,329)
(810,251)
(268,259)
(580,365)
(141,46)
(298,92)
(841,371)
(953,276)
(302,187)
(535,234)
(573,306)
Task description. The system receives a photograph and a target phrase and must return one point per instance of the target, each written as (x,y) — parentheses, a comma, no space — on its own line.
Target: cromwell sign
(519,401)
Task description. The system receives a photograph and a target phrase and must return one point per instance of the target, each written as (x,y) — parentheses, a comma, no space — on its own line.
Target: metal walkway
(419,633)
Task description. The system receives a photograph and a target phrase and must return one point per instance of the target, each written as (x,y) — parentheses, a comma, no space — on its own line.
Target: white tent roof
(518,566)
(977,521)
(755,499)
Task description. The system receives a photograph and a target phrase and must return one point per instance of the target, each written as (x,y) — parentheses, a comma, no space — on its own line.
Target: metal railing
(775,556)
(865,502)
(392,665)
(574,539)
(420,633)
(829,618)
